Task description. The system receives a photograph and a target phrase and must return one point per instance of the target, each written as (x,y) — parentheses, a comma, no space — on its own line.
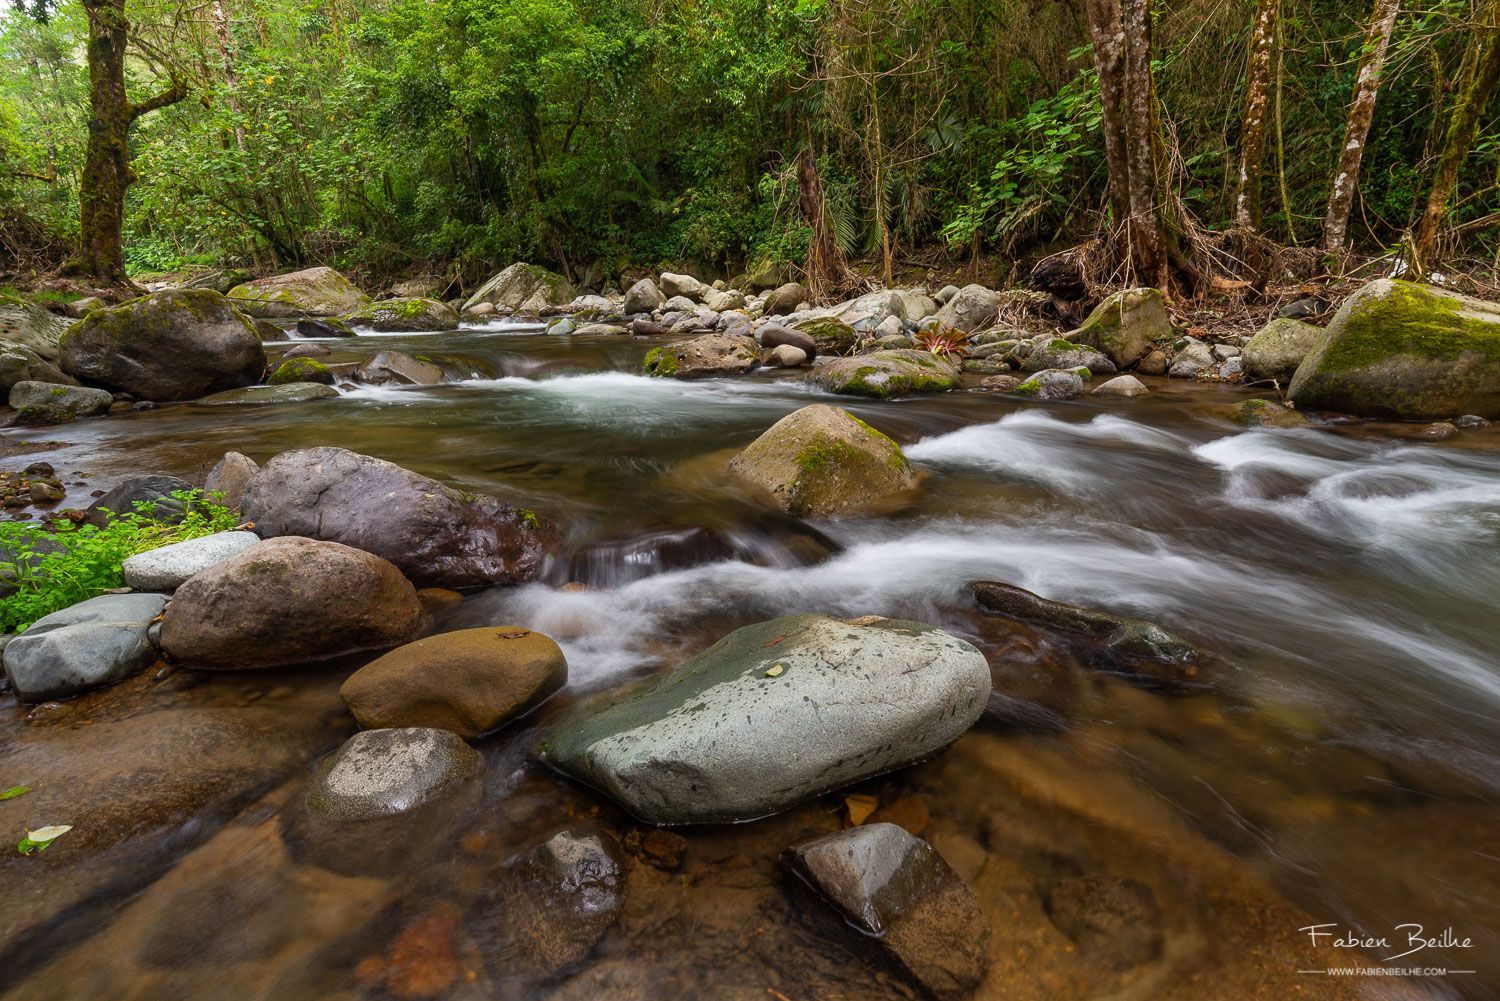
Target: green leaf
(13,792)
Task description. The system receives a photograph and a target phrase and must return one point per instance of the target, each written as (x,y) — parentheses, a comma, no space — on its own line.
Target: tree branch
(171,95)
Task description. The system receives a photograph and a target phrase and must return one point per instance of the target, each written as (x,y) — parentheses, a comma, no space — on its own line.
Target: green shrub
(52,568)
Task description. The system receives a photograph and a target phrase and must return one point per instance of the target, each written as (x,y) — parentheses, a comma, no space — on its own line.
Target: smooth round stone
(89,644)
(169,567)
(382,773)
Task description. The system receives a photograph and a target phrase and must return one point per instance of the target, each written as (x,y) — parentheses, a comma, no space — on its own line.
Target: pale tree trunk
(231,72)
(1263,32)
(1463,126)
(1361,112)
(825,265)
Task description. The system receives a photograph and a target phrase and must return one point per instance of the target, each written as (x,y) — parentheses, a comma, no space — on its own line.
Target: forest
(598,136)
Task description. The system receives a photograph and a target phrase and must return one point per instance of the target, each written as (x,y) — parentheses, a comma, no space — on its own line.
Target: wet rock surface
(150,495)
(1115,921)
(92,643)
(380,773)
(167,568)
(703,357)
(887,374)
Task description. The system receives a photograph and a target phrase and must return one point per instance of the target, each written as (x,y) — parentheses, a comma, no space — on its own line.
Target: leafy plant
(945,342)
(54,567)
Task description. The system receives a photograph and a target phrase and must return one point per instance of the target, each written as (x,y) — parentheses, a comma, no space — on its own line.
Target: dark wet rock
(557,900)
(773,336)
(166,346)
(644,297)
(1301,309)
(226,482)
(259,396)
(1051,384)
(1265,413)
(1114,642)
(35,415)
(775,713)
(703,357)
(895,887)
(1406,351)
(403,315)
(1155,363)
(169,567)
(648,328)
(307,351)
(1064,354)
(469,682)
(615,562)
(522,288)
(400,368)
(662,849)
(154,491)
(300,370)
(786,356)
(887,374)
(831,336)
(380,773)
(1436,431)
(784,299)
(289,601)
(1115,921)
(323,326)
(438,536)
(1125,325)
(319,291)
(21,364)
(821,460)
(1000,383)
(1470,421)
(96,642)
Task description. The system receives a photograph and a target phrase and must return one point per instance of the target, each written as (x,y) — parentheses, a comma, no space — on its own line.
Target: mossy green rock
(174,345)
(36,415)
(885,374)
(301,370)
(523,288)
(1279,347)
(1265,413)
(410,314)
(1400,350)
(703,357)
(821,460)
(830,335)
(256,396)
(320,291)
(1125,325)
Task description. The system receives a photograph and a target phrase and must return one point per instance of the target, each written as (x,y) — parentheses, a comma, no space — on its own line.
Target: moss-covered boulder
(831,336)
(703,357)
(1125,325)
(176,345)
(885,374)
(399,315)
(77,400)
(523,288)
(320,291)
(260,396)
(821,460)
(1265,414)
(300,370)
(1401,350)
(1279,347)
(25,324)
(1057,352)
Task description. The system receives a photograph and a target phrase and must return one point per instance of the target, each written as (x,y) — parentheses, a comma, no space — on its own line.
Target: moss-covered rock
(1400,350)
(1056,352)
(176,345)
(409,314)
(21,364)
(885,374)
(1265,413)
(523,288)
(300,370)
(831,336)
(1052,384)
(1279,347)
(821,460)
(703,357)
(42,415)
(77,400)
(1125,325)
(320,291)
(256,396)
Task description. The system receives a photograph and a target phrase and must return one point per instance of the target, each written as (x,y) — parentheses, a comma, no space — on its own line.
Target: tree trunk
(1463,126)
(824,263)
(106,167)
(1257,100)
(1361,111)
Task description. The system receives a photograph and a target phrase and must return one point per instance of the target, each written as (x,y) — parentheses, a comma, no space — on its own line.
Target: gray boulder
(21,364)
(1192,360)
(153,490)
(885,374)
(522,288)
(410,314)
(1123,385)
(973,308)
(774,714)
(1126,325)
(1052,384)
(773,336)
(380,773)
(229,478)
(703,357)
(93,643)
(319,291)
(400,368)
(260,396)
(26,324)
(1056,352)
(786,356)
(685,286)
(168,567)
(724,300)
(945,294)
(79,401)
(644,297)
(784,299)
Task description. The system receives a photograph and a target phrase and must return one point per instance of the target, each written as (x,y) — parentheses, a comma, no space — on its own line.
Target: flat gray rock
(93,643)
(167,568)
(80,401)
(254,396)
(381,773)
(775,713)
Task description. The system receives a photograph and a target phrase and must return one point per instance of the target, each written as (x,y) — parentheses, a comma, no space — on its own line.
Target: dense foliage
(406,135)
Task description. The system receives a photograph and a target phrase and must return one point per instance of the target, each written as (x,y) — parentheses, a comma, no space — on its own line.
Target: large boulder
(822,460)
(684,285)
(166,346)
(522,288)
(1051,384)
(1278,348)
(785,299)
(895,887)
(26,324)
(319,291)
(643,297)
(1401,350)
(21,364)
(167,568)
(772,336)
(469,682)
(258,396)
(93,643)
(1058,352)
(1126,325)
(289,601)
(774,714)
(884,374)
(438,536)
(703,357)
(295,370)
(973,308)
(79,401)
(399,368)
(150,494)
(831,335)
(400,315)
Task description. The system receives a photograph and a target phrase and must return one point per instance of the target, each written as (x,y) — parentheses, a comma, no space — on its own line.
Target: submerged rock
(79,401)
(885,374)
(258,396)
(318,291)
(1265,413)
(1279,347)
(557,900)
(522,288)
(469,682)
(93,643)
(1125,325)
(289,601)
(438,536)
(1400,350)
(168,567)
(1115,921)
(407,314)
(821,460)
(892,885)
(400,368)
(1115,642)
(166,346)
(775,713)
(379,773)
(702,357)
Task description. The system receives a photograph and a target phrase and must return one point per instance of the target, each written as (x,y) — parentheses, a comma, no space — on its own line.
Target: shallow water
(1344,749)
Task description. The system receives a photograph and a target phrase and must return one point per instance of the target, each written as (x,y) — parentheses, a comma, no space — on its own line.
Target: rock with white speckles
(774,714)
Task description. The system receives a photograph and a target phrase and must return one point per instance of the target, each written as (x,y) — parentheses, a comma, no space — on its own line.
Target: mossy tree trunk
(1263,34)
(106,169)
(1361,113)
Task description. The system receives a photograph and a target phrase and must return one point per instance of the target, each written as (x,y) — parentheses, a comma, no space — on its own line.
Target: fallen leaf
(13,792)
(775,671)
(859,807)
(41,838)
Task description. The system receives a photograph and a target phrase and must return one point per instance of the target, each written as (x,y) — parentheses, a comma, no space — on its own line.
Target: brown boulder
(469,682)
(289,601)
(229,478)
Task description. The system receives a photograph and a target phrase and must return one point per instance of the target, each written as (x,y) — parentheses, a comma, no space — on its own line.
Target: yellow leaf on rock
(859,807)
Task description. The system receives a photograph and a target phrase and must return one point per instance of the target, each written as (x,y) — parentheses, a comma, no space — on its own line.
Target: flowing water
(1343,755)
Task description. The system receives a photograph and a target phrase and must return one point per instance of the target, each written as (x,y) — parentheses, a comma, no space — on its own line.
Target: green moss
(661,362)
(1030,387)
(821,454)
(300,370)
(530,518)
(1410,319)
